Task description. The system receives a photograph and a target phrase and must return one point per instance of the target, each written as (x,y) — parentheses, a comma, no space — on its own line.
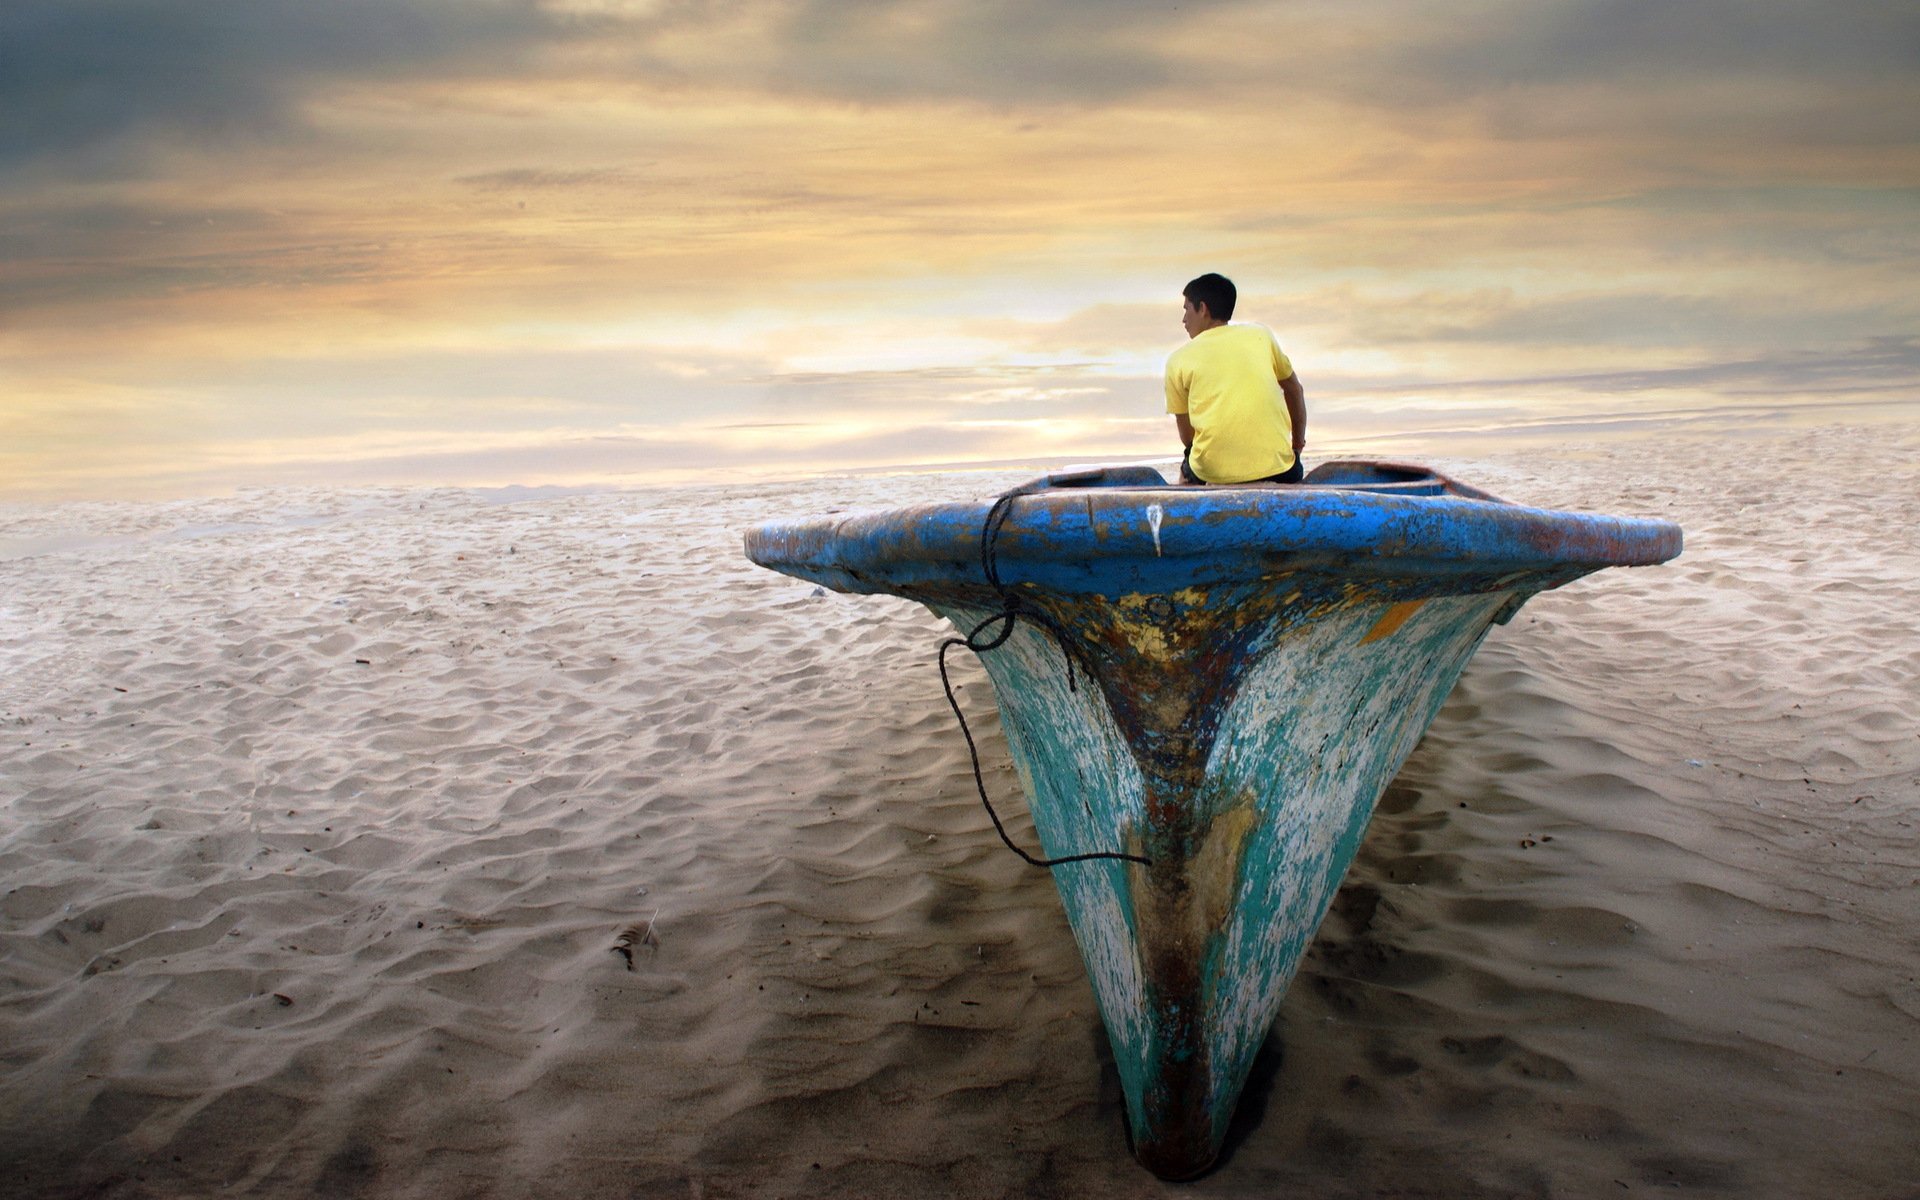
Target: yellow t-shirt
(1227,381)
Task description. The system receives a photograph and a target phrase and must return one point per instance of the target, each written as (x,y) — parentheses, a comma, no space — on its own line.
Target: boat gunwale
(1243,531)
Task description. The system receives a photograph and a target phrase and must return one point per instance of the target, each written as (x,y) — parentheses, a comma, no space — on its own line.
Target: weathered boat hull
(1251,668)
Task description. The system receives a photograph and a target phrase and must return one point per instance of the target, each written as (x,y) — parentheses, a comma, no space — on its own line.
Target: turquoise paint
(1233,720)
(1313,758)
(1083,787)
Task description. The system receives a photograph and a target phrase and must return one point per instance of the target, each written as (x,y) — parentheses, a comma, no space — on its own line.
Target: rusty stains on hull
(1258,741)
(1180,914)
(1391,620)
(1252,666)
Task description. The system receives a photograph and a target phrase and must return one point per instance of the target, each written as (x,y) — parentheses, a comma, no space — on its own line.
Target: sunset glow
(429,241)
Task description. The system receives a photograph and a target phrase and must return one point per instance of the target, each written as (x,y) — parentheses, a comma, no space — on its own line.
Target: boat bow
(1255,664)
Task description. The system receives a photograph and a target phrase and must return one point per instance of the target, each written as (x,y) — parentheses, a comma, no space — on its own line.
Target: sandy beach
(457,843)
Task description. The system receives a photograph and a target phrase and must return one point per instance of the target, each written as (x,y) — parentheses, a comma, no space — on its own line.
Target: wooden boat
(1221,682)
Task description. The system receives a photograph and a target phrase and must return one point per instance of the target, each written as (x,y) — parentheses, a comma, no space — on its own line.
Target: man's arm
(1185,426)
(1296,398)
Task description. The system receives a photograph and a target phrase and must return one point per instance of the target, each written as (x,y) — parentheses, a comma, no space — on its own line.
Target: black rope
(1011,610)
(1011,605)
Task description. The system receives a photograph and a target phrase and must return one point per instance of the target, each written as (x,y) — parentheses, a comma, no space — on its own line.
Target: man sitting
(1239,408)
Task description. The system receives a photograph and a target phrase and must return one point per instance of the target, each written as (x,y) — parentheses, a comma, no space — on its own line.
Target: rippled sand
(451,843)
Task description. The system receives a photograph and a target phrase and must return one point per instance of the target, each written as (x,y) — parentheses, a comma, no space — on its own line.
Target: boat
(1205,690)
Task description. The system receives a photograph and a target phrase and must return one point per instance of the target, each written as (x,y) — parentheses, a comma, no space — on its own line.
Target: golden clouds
(595,228)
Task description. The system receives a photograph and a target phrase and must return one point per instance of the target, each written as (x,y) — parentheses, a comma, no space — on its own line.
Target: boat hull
(1250,799)
(1231,716)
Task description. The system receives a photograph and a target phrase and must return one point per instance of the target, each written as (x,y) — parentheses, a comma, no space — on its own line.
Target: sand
(524,844)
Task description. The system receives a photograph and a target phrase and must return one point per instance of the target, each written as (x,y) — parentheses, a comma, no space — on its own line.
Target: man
(1239,408)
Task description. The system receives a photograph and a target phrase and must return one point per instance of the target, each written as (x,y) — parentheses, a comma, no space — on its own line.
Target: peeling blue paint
(1256,665)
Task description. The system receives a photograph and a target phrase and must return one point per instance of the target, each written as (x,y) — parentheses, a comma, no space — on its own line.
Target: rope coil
(1012,609)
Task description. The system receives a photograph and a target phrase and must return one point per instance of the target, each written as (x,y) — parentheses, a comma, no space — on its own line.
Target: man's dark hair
(1216,292)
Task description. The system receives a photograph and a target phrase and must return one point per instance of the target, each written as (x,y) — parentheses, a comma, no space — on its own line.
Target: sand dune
(457,843)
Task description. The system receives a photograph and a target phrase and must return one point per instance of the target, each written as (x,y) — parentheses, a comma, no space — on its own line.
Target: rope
(1011,610)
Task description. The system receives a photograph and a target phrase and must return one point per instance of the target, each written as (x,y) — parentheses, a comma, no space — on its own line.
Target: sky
(248,242)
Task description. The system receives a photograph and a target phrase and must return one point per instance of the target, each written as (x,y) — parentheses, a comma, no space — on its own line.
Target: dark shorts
(1293,474)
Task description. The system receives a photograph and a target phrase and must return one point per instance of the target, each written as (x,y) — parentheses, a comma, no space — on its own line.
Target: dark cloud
(1001,51)
(531,179)
(1405,55)
(107,226)
(80,75)
(114,250)
(93,77)
(98,76)
(1833,72)
(1854,42)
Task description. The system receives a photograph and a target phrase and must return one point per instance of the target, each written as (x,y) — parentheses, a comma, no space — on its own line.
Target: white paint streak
(1317,730)
(1331,769)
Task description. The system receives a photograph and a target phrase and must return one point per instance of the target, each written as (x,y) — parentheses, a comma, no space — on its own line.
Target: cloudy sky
(495,241)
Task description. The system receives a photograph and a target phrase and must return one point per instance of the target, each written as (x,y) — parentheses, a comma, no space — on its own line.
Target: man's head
(1209,302)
